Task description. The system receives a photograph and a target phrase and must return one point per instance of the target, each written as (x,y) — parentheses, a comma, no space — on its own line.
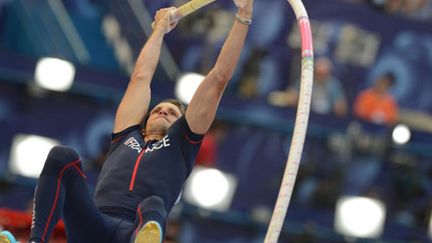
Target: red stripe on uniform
(140,221)
(57,196)
(190,140)
(137,162)
(79,170)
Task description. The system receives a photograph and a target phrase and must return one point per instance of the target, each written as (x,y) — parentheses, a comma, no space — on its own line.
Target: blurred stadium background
(386,167)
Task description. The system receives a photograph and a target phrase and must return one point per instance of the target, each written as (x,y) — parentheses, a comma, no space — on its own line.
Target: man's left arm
(202,108)
(135,101)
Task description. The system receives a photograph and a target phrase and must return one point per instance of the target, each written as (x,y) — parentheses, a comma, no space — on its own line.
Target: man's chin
(160,128)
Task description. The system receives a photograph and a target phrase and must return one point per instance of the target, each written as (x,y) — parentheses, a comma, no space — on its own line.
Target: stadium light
(186,86)
(401,134)
(360,217)
(54,74)
(28,154)
(210,189)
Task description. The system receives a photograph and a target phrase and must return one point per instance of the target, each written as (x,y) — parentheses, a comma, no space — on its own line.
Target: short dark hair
(175,102)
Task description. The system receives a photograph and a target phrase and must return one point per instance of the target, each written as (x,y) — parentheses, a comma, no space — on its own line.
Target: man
(145,168)
(328,96)
(376,104)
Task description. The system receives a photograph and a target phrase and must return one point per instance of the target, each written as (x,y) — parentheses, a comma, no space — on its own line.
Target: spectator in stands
(392,6)
(208,151)
(328,96)
(417,9)
(207,155)
(376,104)
(413,9)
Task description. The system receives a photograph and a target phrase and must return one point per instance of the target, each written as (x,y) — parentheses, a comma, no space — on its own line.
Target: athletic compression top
(135,170)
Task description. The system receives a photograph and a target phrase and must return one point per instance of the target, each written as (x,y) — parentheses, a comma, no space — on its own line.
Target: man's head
(384,82)
(162,116)
(323,69)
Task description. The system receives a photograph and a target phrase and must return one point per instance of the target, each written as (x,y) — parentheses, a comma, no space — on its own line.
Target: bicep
(202,108)
(133,106)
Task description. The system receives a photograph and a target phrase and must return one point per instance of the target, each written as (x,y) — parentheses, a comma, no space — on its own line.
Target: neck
(379,92)
(150,137)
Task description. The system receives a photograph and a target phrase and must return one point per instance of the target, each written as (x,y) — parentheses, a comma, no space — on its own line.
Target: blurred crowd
(413,9)
(375,104)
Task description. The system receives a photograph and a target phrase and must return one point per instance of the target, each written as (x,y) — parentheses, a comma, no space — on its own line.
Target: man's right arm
(135,102)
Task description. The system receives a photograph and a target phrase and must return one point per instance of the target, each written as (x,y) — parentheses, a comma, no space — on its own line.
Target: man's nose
(163,112)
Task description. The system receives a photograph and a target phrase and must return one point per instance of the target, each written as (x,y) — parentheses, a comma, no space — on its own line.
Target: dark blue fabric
(62,189)
(113,215)
(161,171)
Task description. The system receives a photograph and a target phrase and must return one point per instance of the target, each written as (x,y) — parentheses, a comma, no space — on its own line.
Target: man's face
(383,85)
(322,71)
(162,117)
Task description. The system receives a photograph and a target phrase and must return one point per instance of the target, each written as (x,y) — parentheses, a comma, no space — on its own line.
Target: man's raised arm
(135,102)
(202,108)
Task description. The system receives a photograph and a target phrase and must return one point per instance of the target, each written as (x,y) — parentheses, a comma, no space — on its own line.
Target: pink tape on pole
(306,37)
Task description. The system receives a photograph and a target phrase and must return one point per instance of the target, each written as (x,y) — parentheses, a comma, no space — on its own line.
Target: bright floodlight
(360,217)
(28,154)
(210,189)
(186,86)
(54,74)
(401,134)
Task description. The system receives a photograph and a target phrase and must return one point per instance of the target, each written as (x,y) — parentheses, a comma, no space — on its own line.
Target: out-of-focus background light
(186,86)
(430,227)
(54,74)
(28,154)
(401,134)
(210,189)
(360,217)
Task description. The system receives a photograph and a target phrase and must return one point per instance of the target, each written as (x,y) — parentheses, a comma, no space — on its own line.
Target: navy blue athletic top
(135,170)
